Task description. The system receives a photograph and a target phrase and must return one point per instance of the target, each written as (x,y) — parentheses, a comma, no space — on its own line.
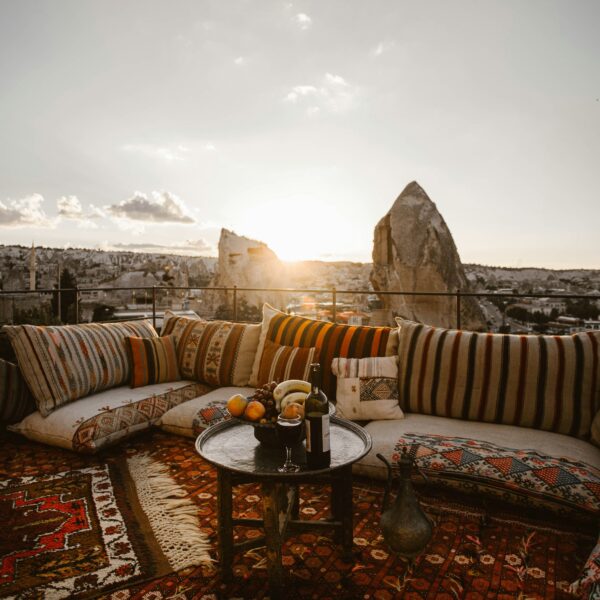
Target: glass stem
(288,456)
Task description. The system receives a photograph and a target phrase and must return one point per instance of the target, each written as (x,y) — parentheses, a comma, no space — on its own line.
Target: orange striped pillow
(153,360)
(331,339)
(280,363)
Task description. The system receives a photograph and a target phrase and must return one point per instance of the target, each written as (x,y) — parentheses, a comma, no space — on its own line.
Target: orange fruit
(292,410)
(255,411)
(236,405)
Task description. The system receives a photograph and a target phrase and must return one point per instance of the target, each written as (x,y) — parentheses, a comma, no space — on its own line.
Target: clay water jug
(404,525)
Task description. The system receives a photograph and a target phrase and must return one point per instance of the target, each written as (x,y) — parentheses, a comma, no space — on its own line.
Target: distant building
(547,305)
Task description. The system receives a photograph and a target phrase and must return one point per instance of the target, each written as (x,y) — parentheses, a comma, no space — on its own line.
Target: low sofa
(511,416)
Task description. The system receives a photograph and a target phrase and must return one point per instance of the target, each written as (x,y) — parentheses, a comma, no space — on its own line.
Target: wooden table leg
(342,507)
(225,531)
(296,504)
(271,511)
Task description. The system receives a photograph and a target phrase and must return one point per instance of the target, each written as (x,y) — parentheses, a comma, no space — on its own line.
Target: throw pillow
(549,382)
(66,362)
(169,314)
(16,401)
(367,388)
(332,340)
(219,353)
(280,363)
(153,360)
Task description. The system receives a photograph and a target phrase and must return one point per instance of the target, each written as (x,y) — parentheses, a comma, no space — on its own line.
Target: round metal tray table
(239,458)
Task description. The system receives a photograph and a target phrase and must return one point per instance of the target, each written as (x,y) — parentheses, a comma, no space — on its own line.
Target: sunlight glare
(297,235)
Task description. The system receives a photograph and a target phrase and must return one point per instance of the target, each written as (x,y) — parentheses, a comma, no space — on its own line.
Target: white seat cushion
(535,465)
(90,423)
(191,418)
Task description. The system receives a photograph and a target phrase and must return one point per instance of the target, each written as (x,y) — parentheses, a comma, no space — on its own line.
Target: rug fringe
(172,515)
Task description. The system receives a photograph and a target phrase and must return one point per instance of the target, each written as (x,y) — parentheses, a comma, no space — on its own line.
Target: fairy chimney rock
(413,251)
(248,263)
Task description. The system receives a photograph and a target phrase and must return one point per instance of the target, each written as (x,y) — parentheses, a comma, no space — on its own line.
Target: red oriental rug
(97,528)
(103,545)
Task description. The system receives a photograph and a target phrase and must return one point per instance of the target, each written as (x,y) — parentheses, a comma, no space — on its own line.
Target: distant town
(111,273)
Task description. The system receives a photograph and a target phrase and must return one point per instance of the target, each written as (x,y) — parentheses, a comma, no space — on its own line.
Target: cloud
(25,212)
(240,61)
(334,94)
(69,207)
(161,207)
(188,246)
(381,48)
(301,90)
(168,153)
(209,147)
(303,21)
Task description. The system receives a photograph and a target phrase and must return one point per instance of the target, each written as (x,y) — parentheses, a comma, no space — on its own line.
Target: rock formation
(248,263)
(413,251)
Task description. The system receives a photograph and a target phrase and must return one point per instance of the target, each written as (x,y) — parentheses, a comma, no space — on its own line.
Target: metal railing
(458,295)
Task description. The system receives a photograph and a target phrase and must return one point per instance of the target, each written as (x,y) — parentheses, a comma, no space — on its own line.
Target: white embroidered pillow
(367,388)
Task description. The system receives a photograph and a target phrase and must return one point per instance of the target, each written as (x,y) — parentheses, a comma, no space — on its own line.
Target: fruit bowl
(266,433)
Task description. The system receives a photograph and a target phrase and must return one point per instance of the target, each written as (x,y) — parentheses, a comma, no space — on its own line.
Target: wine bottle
(316,416)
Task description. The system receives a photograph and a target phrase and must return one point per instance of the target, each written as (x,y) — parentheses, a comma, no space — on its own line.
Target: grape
(264,395)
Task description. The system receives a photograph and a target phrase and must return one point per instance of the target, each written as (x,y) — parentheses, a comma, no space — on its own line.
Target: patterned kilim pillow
(63,363)
(330,339)
(544,382)
(219,353)
(367,388)
(153,360)
(16,401)
(280,363)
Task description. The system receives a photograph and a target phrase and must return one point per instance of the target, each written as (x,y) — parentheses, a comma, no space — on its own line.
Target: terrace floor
(476,552)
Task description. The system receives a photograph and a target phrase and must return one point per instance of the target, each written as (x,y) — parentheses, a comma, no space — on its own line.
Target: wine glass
(289,432)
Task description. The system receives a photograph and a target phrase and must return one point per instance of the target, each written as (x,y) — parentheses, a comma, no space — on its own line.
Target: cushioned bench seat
(101,419)
(530,465)
(191,418)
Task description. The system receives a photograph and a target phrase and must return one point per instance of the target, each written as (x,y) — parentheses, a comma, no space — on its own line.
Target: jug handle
(388,485)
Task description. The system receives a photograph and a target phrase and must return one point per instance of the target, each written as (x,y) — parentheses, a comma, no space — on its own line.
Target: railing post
(154,306)
(59,303)
(76,304)
(458,322)
(334,305)
(235,303)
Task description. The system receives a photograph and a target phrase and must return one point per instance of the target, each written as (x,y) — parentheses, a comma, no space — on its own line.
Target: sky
(150,125)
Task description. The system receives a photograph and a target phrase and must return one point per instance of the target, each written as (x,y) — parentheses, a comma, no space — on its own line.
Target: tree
(582,309)
(34,316)
(68,297)
(245,312)
(103,312)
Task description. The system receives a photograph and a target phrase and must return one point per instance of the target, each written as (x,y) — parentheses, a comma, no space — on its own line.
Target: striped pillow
(545,382)
(16,401)
(153,360)
(330,339)
(280,363)
(66,362)
(219,353)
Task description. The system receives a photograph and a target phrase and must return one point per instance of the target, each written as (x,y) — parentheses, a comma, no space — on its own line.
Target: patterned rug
(85,531)
(478,551)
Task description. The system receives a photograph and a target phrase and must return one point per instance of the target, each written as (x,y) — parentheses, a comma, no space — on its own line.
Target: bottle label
(317,434)
(325,432)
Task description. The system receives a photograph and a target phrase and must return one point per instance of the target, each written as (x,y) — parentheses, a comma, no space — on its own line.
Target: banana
(297,397)
(291,385)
